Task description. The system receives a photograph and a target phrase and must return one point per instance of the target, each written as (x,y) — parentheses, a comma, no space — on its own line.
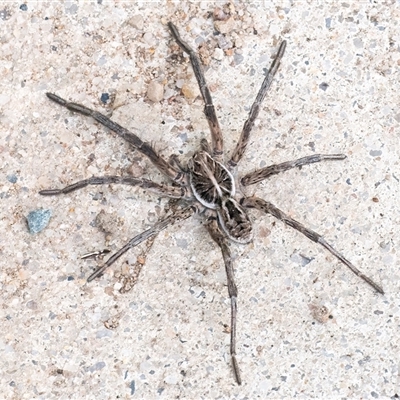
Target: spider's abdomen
(210,180)
(235,222)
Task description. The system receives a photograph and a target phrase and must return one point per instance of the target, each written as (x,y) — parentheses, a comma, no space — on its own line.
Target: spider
(208,186)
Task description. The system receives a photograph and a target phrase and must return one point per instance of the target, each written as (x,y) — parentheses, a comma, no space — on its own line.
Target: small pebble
(31,304)
(218,54)
(323,86)
(104,98)
(225,26)
(12,178)
(96,367)
(38,220)
(155,91)
(149,39)
(132,387)
(190,90)
(171,379)
(136,21)
(238,58)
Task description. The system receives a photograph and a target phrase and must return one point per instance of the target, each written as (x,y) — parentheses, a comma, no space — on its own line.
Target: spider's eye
(234,221)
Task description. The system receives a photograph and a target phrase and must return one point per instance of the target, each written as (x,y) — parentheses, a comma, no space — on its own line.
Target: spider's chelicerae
(208,185)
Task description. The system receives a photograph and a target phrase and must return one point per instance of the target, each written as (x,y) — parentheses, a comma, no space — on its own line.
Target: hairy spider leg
(144,147)
(255,108)
(264,173)
(209,109)
(269,208)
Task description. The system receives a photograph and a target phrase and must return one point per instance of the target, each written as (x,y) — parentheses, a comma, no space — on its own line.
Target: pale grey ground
(170,339)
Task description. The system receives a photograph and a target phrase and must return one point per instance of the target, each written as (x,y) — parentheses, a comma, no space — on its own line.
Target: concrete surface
(336,91)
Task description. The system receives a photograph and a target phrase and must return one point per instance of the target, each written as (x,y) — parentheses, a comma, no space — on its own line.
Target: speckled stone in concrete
(337,91)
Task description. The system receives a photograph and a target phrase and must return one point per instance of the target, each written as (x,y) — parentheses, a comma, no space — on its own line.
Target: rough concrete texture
(337,91)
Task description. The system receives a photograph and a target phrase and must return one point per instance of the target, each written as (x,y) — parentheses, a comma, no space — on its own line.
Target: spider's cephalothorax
(214,187)
(208,185)
(210,180)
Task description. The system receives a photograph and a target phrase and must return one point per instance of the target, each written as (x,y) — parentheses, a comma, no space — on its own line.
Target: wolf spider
(207,185)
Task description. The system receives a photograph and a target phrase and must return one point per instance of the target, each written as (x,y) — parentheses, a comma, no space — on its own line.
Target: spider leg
(220,239)
(255,108)
(209,109)
(264,173)
(269,208)
(175,162)
(205,146)
(144,147)
(178,215)
(164,190)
